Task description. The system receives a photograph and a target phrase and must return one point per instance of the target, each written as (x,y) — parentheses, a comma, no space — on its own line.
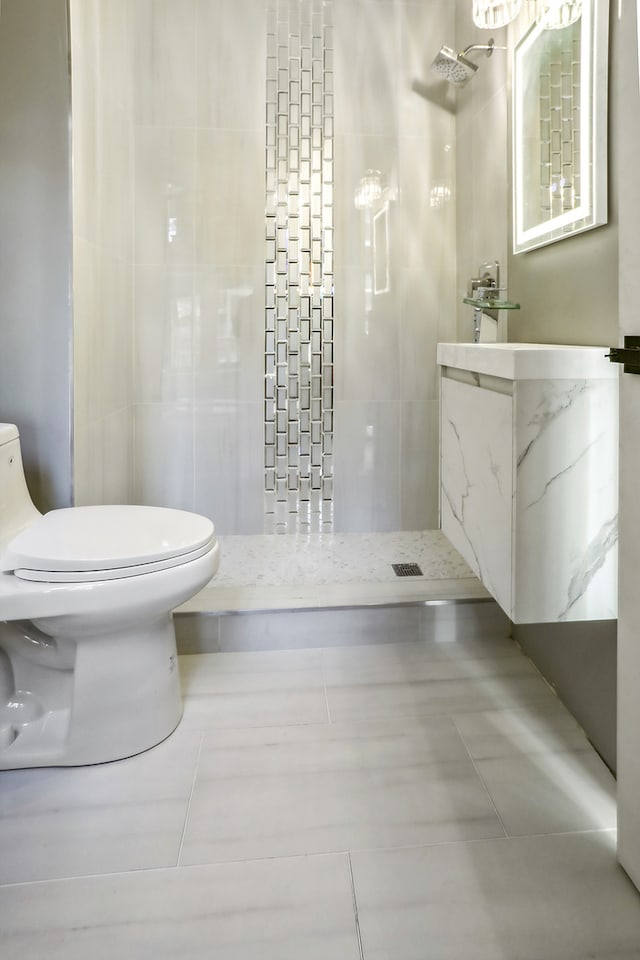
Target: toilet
(88,664)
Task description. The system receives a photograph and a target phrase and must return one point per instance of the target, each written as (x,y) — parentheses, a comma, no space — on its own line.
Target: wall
(567,290)
(482,167)
(102,92)
(628,143)
(35,237)
(199,252)
(568,293)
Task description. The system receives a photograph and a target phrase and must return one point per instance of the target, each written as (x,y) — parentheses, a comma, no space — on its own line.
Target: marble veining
(529,483)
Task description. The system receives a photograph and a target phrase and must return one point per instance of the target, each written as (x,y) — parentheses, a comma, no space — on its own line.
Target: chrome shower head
(455,67)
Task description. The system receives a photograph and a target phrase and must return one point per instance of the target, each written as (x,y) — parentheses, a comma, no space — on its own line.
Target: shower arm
(489,47)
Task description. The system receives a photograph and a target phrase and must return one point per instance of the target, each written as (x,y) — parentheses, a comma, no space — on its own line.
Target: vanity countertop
(529,361)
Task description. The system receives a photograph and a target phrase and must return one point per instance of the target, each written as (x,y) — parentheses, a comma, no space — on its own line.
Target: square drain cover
(407,570)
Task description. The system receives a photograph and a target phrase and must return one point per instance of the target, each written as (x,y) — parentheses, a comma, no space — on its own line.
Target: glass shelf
(487,304)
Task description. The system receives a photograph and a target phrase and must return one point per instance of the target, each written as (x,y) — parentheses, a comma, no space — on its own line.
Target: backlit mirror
(560,129)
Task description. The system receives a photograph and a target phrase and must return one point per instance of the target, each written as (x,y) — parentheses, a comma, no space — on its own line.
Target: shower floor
(309,571)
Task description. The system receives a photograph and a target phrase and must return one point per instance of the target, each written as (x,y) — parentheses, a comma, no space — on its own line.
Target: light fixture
(491,14)
(556,14)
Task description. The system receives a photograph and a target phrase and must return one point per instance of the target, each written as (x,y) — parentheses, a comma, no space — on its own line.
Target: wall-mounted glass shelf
(485,303)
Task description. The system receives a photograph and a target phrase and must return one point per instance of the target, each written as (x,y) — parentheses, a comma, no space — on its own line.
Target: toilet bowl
(88,664)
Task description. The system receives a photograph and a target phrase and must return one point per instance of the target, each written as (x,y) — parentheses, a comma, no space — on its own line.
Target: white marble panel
(529,361)
(271,909)
(477,481)
(166,333)
(231,196)
(228,459)
(231,75)
(229,347)
(565,521)
(164,454)
(367,467)
(165,194)
(165,63)
(420,468)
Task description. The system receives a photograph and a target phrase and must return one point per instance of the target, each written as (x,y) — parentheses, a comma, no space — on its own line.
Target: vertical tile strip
(560,124)
(299,268)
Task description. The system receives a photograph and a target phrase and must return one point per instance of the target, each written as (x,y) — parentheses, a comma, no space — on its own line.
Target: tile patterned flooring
(415,801)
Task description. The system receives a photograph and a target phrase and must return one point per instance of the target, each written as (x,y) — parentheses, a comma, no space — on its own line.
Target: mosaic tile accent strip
(560,124)
(299,293)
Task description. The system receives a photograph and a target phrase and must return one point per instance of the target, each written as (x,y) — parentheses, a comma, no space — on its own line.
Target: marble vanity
(529,480)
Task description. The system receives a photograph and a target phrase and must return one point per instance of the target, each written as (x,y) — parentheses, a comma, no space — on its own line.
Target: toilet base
(112,696)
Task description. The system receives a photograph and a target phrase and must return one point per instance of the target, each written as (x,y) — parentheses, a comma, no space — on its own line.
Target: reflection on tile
(537,728)
(551,792)
(277,792)
(256,696)
(552,897)
(126,815)
(272,910)
(421,686)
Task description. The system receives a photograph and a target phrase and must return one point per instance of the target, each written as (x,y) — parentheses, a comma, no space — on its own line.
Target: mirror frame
(592,212)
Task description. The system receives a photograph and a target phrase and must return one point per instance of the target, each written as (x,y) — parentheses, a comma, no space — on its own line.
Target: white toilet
(88,666)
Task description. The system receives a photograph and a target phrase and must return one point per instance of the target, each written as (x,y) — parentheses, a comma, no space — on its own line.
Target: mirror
(560,129)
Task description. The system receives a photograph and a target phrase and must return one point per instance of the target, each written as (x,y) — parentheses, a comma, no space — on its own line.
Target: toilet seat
(86,544)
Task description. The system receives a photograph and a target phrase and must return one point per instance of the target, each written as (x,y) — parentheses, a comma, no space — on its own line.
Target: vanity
(528,475)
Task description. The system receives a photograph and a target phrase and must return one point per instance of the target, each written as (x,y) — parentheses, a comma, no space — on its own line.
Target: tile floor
(415,801)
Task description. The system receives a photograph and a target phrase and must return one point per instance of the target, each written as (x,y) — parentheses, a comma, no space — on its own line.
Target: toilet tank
(16,508)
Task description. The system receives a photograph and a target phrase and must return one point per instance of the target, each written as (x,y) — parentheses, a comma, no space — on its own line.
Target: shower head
(455,67)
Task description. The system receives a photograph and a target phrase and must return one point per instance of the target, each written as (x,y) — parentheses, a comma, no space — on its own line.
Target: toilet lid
(103,540)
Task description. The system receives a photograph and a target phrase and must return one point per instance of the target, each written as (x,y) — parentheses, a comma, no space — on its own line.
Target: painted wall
(628,142)
(567,290)
(35,241)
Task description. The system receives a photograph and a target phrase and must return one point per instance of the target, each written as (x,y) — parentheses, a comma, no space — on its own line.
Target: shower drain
(407,570)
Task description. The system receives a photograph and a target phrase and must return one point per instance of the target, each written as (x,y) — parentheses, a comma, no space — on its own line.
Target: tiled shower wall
(196,204)
(102,190)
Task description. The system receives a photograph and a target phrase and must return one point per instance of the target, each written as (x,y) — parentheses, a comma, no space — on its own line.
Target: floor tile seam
(171,868)
(387,848)
(354,900)
(188,810)
(482,780)
(306,855)
(217,728)
(324,688)
(445,712)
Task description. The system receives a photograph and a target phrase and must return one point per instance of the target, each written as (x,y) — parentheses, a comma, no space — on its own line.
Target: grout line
(186,816)
(481,778)
(355,907)
(306,855)
(326,693)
